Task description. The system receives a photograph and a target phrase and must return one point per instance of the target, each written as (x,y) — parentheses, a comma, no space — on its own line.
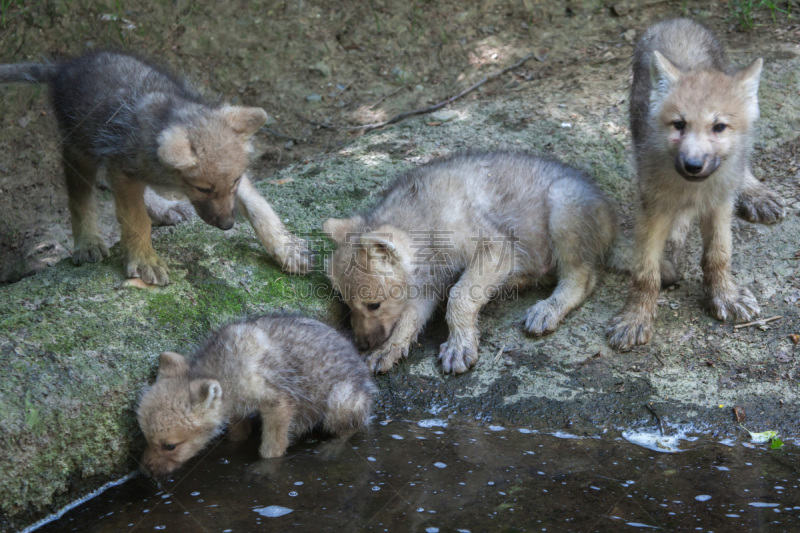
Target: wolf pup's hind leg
(757,203)
(80,176)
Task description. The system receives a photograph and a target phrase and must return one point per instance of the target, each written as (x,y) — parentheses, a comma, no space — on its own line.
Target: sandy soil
(309,63)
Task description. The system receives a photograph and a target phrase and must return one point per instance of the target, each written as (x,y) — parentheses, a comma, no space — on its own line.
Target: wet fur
(148,128)
(563,223)
(297,373)
(680,77)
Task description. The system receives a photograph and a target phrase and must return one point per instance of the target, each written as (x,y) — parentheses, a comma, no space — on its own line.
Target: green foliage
(743,11)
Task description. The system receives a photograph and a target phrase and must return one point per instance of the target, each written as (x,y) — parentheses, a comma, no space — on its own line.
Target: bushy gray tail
(26,72)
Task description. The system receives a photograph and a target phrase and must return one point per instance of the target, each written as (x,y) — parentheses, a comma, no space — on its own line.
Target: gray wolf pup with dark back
(148,128)
(297,373)
(692,122)
(475,221)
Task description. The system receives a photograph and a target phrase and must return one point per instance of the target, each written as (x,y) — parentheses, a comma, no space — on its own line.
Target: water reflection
(426,476)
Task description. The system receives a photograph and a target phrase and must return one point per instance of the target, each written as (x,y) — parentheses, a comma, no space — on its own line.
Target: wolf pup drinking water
(480,221)
(149,128)
(297,373)
(692,122)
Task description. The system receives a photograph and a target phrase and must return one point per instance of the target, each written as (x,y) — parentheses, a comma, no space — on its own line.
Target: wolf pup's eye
(679,125)
(169,447)
(373,306)
(204,190)
(719,128)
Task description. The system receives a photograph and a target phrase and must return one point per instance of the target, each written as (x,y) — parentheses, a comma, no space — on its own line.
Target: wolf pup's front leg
(395,348)
(634,325)
(140,260)
(289,250)
(490,267)
(725,299)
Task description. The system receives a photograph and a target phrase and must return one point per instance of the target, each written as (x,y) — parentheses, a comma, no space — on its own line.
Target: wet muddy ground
(426,476)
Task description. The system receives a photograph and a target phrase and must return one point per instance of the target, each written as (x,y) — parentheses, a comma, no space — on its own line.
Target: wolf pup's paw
(541,318)
(739,304)
(151,269)
(89,251)
(295,257)
(761,206)
(459,353)
(384,357)
(629,329)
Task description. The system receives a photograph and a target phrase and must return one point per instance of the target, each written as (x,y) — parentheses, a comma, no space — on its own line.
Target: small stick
(424,110)
(758,322)
(660,424)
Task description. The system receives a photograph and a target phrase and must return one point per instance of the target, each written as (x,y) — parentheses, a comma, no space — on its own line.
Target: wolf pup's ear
(205,393)
(175,149)
(338,228)
(748,79)
(381,249)
(663,74)
(244,120)
(171,364)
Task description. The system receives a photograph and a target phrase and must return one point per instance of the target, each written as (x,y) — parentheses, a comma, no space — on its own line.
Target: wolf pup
(147,128)
(692,123)
(297,373)
(476,221)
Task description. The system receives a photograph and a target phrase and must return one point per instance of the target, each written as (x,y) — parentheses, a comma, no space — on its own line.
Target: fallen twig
(758,322)
(424,110)
(660,423)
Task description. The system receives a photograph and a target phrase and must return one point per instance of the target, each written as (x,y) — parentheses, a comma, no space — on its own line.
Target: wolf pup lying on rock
(480,221)
(692,123)
(297,373)
(147,127)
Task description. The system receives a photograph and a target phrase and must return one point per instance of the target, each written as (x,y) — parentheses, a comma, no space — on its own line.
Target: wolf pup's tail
(26,72)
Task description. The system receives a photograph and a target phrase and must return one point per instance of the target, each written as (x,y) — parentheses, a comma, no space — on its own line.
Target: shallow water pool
(426,476)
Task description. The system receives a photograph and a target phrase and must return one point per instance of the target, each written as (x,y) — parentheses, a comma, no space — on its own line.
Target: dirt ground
(309,63)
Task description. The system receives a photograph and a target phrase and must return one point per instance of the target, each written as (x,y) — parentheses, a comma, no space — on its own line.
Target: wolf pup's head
(210,151)
(704,116)
(370,270)
(178,416)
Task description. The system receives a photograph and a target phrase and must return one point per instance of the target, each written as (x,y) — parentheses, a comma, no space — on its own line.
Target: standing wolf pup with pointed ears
(149,128)
(692,122)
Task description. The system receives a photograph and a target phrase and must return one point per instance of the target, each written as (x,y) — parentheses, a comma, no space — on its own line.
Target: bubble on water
(298,483)
(160,527)
(195,493)
(165,496)
(722,468)
(732,515)
(439,432)
(527,431)
(372,459)
(273,511)
(224,461)
(490,483)
(439,465)
(376,488)
(496,428)
(431,530)
(293,493)
(397,437)
(702,497)
(639,524)
(778,487)
(432,422)
(762,504)
(420,509)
